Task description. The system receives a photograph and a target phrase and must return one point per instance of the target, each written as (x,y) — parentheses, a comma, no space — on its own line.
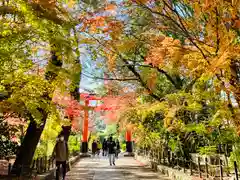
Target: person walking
(111,151)
(104,147)
(99,147)
(117,148)
(94,148)
(107,146)
(61,155)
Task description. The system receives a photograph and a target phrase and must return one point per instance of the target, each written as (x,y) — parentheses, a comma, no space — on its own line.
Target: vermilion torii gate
(87,98)
(91,97)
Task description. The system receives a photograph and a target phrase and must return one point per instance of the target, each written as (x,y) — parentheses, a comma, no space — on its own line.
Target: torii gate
(87,98)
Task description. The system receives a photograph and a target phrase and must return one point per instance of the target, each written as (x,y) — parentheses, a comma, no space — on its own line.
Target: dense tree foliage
(184,55)
(171,69)
(35,43)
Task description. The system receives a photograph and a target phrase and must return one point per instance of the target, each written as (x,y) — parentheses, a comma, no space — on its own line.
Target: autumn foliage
(172,68)
(184,56)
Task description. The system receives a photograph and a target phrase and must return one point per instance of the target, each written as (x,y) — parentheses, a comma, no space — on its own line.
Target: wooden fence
(39,166)
(202,168)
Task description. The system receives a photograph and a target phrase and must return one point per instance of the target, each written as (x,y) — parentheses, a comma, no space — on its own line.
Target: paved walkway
(126,168)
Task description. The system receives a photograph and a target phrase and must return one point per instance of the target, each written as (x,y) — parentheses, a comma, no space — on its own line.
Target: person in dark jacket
(104,147)
(111,151)
(118,148)
(94,148)
(99,146)
(61,155)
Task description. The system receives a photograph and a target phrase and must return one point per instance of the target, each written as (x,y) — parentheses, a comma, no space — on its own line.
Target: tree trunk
(25,154)
(234,81)
(66,130)
(75,91)
(27,149)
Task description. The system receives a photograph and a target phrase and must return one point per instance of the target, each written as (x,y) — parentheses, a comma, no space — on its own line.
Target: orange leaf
(141,1)
(152,80)
(237,23)
(110,7)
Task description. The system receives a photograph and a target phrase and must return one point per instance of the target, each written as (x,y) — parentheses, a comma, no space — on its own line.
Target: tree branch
(169,78)
(144,84)
(190,85)
(133,70)
(110,79)
(217,31)
(181,25)
(185,30)
(8,10)
(3,96)
(51,15)
(47,14)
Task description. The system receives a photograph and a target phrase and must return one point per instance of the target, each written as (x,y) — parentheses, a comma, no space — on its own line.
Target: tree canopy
(170,68)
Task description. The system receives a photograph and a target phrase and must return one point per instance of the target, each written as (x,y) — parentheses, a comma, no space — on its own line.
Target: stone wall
(173,174)
(4,167)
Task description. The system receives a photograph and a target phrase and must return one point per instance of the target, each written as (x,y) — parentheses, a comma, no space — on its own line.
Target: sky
(88,67)
(86,83)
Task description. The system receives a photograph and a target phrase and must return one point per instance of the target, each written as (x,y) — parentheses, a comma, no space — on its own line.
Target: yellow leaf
(70,3)
(197,9)
(87,41)
(111,61)
(34,49)
(220,62)
(125,46)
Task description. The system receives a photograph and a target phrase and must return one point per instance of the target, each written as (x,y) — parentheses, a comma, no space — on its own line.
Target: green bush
(208,150)
(7,147)
(73,144)
(44,148)
(235,155)
(123,147)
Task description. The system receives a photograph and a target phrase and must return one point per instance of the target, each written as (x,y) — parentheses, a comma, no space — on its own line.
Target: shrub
(73,144)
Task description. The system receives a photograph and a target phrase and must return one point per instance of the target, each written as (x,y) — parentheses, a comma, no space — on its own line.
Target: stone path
(126,168)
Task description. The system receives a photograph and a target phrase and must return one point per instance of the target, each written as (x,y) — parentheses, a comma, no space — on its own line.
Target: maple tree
(32,33)
(40,42)
(173,67)
(184,56)
(11,133)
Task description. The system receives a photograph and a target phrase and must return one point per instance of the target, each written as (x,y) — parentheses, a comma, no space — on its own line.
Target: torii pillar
(87,98)
(129,145)
(84,147)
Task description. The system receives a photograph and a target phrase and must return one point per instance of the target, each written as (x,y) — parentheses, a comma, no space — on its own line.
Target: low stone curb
(175,174)
(51,174)
(170,172)
(143,160)
(83,155)
(127,154)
